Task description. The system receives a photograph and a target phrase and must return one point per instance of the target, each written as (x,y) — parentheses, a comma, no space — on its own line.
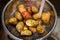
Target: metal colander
(11,8)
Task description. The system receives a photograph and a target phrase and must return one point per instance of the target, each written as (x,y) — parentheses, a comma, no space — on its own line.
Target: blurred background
(56,33)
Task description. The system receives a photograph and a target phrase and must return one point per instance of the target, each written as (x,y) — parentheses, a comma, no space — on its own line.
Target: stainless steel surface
(10,8)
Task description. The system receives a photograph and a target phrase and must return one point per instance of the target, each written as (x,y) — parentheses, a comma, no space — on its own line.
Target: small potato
(40,29)
(26,32)
(34,9)
(25,28)
(36,16)
(18,16)
(31,22)
(33,29)
(13,20)
(29,10)
(26,15)
(19,26)
(21,8)
(45,17)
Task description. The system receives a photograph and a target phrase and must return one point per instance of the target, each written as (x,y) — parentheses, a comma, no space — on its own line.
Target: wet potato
(24,12)
(25,28)
(36,16)
(32,29)
(40,29)
(31,22)
(34,9)
(26,32)
(19,26)
(21,8)
(45,17)
(13,20)
(18,15)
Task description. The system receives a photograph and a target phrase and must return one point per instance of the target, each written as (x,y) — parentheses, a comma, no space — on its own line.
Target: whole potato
(36,16)
(34,9)
(45,17)
(19,26)
(21,6)
(32,29)
(18,16)
(13,20)
(25,27)
(26,32)
(31,22)
(40,29)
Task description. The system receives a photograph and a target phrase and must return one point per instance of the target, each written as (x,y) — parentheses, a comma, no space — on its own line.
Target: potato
(25,28)
(29,10)
(40,29)
(36,16)
(26,15)
(26,32)
(19,26)
(13,20)
(21,8)
(34,9)
(18,16)
(31,22)
(32,29)
(45,17)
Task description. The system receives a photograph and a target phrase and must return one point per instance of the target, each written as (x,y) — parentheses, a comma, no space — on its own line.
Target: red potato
(26,15)
(29,10)
(24,12)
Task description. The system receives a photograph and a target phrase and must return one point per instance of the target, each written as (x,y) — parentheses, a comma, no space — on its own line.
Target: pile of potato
(27,20)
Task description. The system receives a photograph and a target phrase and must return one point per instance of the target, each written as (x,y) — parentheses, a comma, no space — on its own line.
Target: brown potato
(21,8)
(33,29)
(13,20)
(19,26)
(26,32)
(36,16)
(45,17)
(34,9)
(31,22)
(25,28)
(18,16)
(40,29)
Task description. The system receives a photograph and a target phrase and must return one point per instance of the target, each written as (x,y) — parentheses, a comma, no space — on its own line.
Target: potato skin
(19,26)
(32,29)
(25,28)
(34,9)
(26,32)
(40,29)
(31,22)
(21,8)
(13,21)
(36,16)
(18,16)
(45,17)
